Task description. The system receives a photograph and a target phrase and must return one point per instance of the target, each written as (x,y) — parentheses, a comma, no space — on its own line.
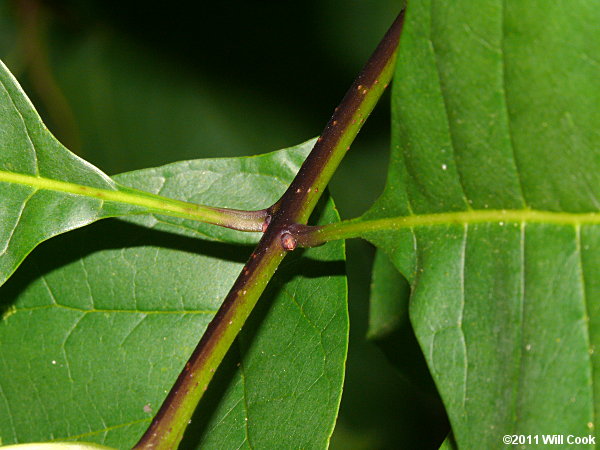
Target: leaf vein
(586,320)
(8,409)
(461,313)
(26,129)
(63,346)
(17,222)
(130,332)
(519,374)
(506,108)
(244,395)
(451,136)
(104,430)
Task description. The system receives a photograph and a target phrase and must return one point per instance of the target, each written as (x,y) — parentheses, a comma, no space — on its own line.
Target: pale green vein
(242,220)
(463,341)
(104,430)
(359,227)
(505,104)
(10,415)
(586,320)
(443,92)
(22,119)
(518,382)
(18,220)
(244,396)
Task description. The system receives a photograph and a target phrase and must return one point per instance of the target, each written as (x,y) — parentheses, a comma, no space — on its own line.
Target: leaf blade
(481,107)
(47,190)
(139,297)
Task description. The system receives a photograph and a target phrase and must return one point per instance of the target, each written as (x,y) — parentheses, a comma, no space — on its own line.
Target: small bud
(288,241)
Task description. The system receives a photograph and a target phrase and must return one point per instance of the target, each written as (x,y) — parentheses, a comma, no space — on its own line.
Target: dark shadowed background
(129,85)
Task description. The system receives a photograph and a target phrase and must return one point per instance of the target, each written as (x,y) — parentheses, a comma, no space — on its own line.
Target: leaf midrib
(360,226)
(350,228)
(129,196)
(474,216)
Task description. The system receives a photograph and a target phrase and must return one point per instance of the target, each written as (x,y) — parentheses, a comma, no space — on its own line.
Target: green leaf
(30,159)
(491,211)
(449,443)
(390,329)
(98,323)
(388,304)
(46,190)
(285,390)
(250,183)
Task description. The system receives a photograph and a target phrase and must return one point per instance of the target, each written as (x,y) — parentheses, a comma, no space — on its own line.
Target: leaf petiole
(151,203)
(312,236)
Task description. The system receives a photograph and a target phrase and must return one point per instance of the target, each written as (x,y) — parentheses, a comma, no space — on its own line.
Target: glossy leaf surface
(495,108)
(98,323)
(47,190)
(31,159)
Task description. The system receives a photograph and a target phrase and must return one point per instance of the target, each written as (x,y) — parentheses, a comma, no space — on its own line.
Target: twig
(294,207)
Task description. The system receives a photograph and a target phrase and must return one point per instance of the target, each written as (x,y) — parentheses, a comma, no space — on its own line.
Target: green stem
(230,218)
(169,424)
(341,130)
(306,236)
(296,205)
